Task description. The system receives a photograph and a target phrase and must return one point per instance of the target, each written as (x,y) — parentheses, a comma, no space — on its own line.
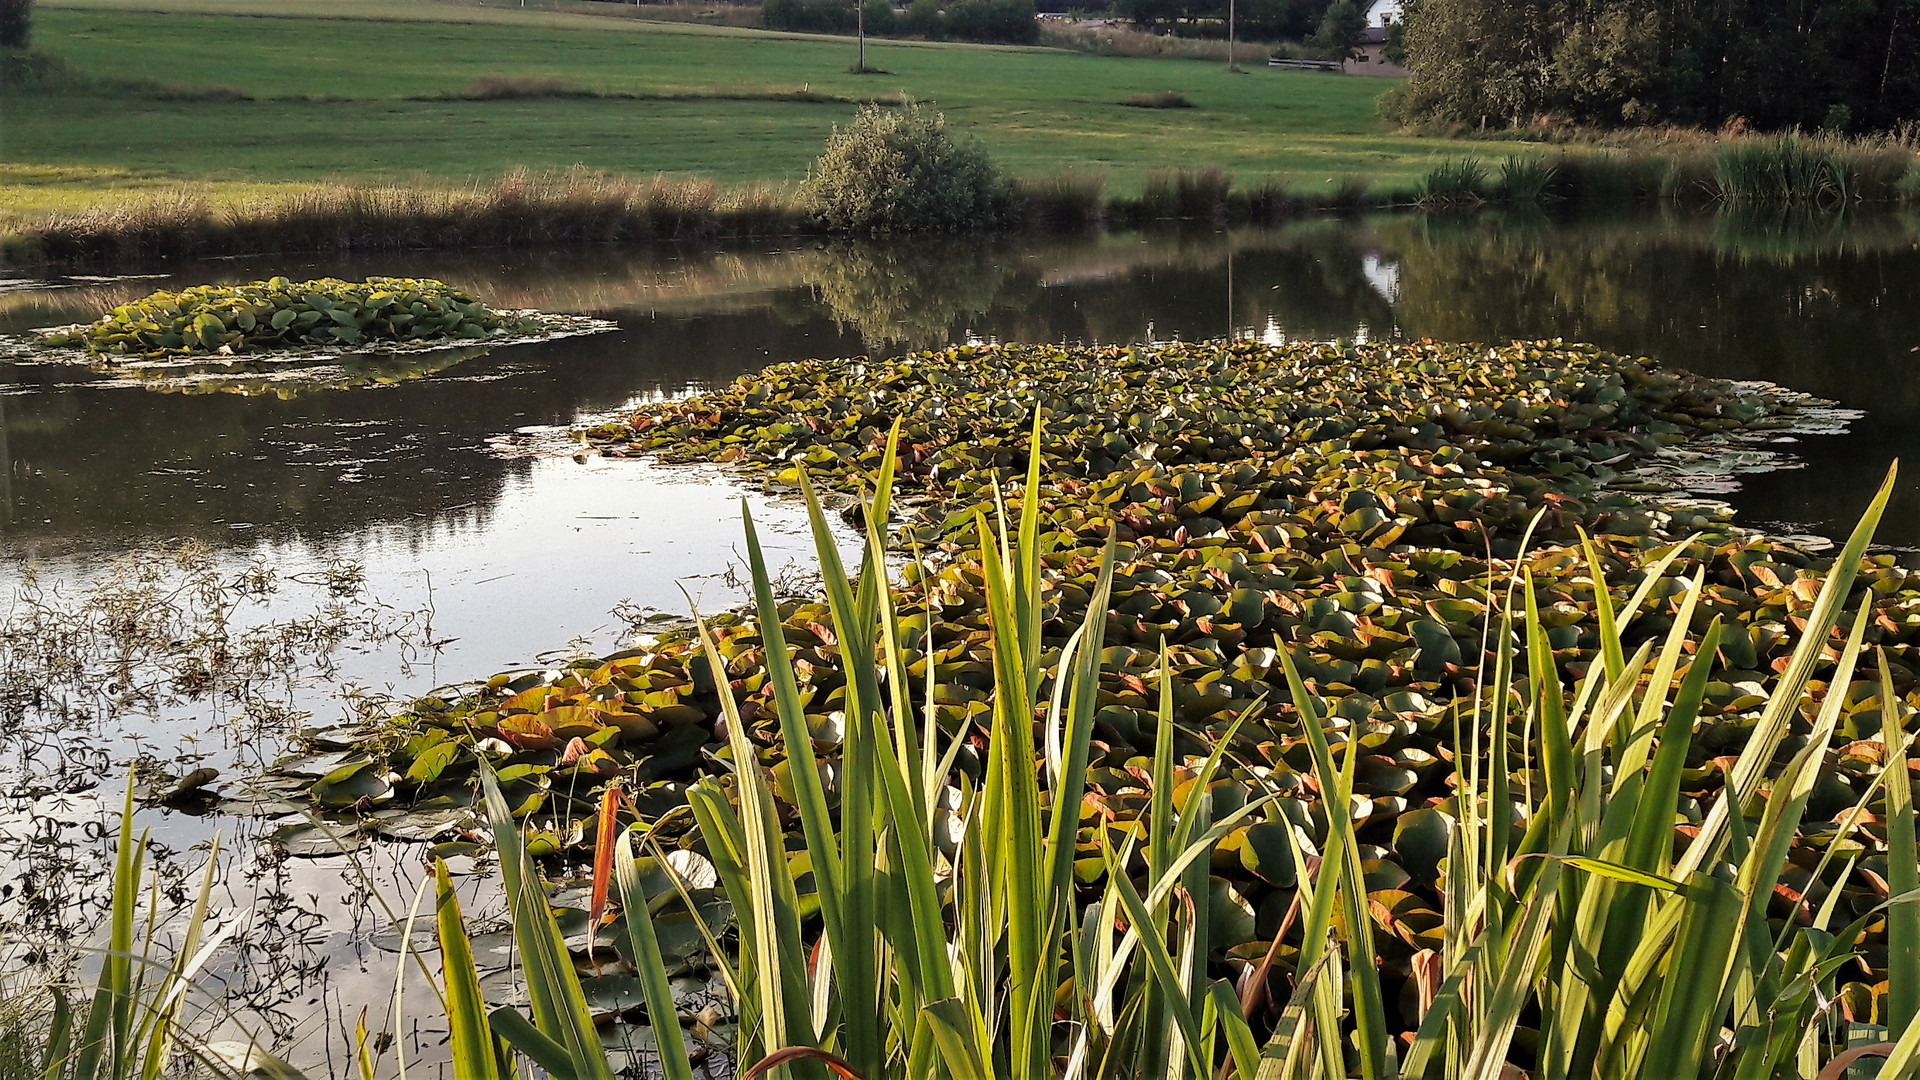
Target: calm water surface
(460,501)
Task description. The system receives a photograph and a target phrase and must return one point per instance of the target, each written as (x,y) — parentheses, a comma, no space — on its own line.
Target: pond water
(445,526)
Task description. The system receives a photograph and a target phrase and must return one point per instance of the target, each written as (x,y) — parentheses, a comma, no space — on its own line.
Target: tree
(1339,29)
(1705,62)
(16,20)
(1280,20)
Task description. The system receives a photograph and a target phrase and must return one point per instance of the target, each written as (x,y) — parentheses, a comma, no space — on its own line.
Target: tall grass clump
(1819,170)
(1572,905)
(901,170)
(1265,202)
(1062,202)
(1787,169)
(1525,179)
(1454,182)
(954,939)
(1187,194)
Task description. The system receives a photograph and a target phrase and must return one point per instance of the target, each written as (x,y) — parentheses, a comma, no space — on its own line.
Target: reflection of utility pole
(6,468)
(1229,286)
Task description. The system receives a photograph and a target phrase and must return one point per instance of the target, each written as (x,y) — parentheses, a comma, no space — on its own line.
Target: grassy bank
(363,92)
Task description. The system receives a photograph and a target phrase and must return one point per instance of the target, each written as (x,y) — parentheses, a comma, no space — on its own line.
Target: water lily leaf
(1268,854)
(358,782)
(427,767)
(420,824)
(1420,842)
(306,839)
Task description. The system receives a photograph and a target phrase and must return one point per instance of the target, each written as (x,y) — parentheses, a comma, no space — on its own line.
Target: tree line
(1841,65)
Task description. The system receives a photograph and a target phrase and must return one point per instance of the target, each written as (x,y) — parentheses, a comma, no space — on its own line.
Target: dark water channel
(466,527)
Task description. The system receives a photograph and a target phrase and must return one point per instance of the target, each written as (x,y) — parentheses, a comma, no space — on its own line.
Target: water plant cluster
(1310,544)
(1796,170)
(280,313)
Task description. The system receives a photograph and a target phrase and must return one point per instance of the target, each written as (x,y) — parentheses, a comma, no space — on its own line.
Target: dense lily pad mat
(1361,508)
(284,314)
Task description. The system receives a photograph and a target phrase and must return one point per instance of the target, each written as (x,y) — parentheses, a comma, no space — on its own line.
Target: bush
(900,170)
(922,18)
(818,16)
(881,18)
(1009,21)
(16,22)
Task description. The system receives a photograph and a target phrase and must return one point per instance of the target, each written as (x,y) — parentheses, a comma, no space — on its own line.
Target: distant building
(1382,14)
(1373,42)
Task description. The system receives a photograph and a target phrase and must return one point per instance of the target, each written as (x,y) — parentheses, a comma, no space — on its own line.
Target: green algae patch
(1363,511)
(278,314)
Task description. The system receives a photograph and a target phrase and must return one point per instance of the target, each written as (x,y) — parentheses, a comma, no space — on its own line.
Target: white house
(1371,61)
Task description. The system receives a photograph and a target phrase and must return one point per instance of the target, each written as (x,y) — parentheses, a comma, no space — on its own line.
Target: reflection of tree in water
(1818,303)
(906,296)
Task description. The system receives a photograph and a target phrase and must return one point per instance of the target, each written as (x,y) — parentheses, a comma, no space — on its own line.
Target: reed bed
(1062,202)
(578,207)
(1700,169)
(519,210)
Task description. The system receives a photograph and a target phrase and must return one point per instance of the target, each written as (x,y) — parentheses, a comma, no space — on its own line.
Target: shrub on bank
(901,170)
(16,23)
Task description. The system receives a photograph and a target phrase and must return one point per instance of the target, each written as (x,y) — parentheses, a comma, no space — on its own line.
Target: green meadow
(247,95)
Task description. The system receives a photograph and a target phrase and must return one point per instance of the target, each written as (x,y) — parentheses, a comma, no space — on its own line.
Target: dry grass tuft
(511,87)
(1164,99)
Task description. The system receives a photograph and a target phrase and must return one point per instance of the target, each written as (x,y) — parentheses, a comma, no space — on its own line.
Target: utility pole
(1230,65)
(860,20)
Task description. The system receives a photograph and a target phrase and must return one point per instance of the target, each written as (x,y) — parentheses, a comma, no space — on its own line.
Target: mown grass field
(244,93)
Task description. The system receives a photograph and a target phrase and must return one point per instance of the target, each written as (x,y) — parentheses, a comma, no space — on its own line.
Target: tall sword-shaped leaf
(472,1045)
(558,1004)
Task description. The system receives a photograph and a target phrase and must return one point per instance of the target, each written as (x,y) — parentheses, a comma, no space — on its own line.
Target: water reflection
(446,489)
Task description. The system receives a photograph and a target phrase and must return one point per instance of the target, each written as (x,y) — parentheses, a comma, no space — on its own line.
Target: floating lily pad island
(256,337)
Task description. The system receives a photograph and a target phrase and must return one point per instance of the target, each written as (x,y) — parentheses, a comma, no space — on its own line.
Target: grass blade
(652,970)
(469,1034)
